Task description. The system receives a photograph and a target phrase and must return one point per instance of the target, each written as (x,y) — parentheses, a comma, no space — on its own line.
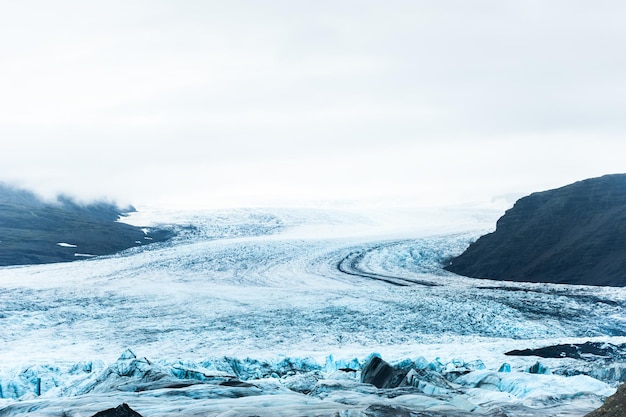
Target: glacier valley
(275,312)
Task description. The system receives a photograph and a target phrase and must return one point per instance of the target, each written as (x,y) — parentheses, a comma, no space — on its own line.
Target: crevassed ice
(257,296)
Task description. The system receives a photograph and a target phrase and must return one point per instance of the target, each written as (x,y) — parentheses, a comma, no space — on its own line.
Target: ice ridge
(455,385)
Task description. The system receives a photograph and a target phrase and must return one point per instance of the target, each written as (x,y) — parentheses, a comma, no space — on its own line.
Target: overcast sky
(213,103)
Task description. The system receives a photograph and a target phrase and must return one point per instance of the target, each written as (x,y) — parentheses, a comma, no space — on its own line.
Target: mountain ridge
(34,231)
(575,234)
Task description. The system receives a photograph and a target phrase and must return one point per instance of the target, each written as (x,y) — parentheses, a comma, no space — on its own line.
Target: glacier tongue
(275,312)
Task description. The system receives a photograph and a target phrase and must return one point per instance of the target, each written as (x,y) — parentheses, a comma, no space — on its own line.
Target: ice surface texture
(255,297)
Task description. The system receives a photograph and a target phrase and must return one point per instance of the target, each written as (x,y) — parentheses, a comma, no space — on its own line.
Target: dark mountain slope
(31,229)
(575,235)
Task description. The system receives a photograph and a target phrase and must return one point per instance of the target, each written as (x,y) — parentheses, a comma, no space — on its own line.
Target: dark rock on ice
(381,410)
(377,372)
(572,235)
(237,383)
(380,374)
(538,368)
(122,410)
(609,360)
(576,351)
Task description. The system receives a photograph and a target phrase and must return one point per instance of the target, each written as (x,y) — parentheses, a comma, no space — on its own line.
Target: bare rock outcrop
(571,235)
(122,410)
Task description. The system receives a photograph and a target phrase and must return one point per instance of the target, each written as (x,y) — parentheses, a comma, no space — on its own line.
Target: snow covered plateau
(275,312)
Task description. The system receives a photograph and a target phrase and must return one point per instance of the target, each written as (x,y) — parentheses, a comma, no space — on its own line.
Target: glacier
(276,312)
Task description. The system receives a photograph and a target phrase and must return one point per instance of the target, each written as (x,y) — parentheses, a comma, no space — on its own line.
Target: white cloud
(250,101)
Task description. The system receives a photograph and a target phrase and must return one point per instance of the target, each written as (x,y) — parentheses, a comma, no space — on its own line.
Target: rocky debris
(237,384)
(614,406)
(122,410)
(602,361)
(377,372)
(380,374)
(381,410)
(571,235)
(576,351)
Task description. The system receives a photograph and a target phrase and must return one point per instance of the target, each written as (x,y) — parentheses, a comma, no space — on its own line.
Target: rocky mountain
(33,231)
(574,235)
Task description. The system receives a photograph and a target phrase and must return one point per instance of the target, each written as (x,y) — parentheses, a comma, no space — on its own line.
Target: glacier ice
(299,382)
(248,310)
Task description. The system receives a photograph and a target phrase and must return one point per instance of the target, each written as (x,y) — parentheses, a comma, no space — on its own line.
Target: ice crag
(354,387)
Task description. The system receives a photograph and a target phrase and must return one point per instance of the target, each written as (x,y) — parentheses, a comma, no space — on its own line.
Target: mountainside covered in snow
(33,231)
(574,235)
